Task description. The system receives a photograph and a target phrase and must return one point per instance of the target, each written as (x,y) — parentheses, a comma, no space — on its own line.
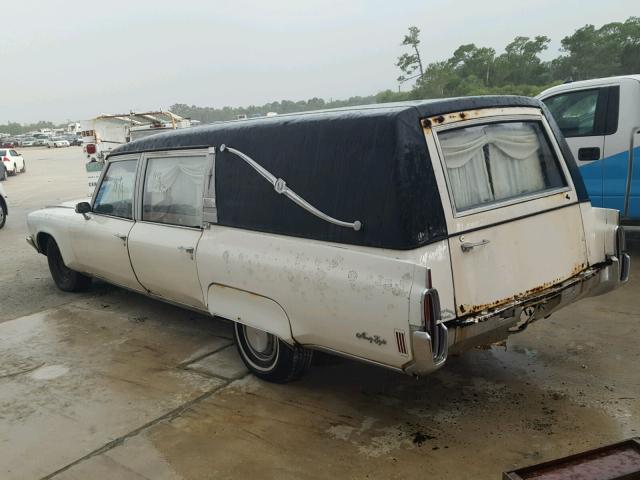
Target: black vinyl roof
(208,135)
(369,164)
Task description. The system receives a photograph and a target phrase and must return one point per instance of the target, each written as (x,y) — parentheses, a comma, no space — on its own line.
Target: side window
(115,195)
(173,190)
(14,153)
(576,112)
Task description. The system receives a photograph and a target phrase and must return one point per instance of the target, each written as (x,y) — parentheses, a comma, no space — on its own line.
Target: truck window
(496,162)
(115,196)
(173,189)
(576,112)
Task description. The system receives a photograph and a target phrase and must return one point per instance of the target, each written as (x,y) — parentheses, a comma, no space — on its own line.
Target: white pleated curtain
(174,188)
(510,163)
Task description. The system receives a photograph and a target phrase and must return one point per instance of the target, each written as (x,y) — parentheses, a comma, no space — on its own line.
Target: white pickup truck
(392,234)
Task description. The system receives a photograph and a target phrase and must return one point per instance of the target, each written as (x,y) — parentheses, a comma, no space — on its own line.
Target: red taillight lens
(6,159)
(91,148)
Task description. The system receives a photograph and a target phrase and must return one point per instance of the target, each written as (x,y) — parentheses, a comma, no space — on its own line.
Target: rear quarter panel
(348,299)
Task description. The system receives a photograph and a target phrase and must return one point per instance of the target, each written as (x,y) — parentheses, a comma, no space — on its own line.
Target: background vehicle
(13,161)
(27,142)
(600,119)
(9,144)
(58,142)
(103,133)
(4,211)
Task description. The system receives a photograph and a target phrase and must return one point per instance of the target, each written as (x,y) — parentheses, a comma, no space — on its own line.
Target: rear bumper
(495,325)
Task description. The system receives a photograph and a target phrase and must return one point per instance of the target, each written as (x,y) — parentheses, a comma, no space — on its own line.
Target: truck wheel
(65,279)
(268,357)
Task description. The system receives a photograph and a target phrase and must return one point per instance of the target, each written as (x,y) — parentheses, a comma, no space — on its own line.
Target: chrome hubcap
(257,339)
(263,345)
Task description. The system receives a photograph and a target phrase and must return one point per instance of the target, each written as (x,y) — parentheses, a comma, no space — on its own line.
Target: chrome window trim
(512,201)
(145,157)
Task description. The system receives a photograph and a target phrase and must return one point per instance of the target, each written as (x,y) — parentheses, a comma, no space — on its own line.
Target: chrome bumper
(496,325)
(32,242)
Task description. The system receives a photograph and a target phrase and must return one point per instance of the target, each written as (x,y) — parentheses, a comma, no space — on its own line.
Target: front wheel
(3,213)
(268,357)
(65,279)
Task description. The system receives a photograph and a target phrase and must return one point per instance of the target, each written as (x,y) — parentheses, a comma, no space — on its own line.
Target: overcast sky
(76,59)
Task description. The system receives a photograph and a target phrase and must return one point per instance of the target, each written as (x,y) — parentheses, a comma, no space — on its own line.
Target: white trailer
(105,132)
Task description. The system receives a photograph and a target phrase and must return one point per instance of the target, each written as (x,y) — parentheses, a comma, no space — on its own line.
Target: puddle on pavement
(49,372)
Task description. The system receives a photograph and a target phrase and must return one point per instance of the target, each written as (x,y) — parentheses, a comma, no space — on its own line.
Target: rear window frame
(550,138)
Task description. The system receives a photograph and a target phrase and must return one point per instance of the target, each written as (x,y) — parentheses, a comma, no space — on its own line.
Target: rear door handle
(589,153)
(120,236)
(468,246)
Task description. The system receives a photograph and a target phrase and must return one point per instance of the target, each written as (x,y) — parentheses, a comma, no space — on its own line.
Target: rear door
(512,212)
(164,240)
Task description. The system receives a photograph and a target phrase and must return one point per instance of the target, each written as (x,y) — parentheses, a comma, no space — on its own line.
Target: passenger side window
(115,195)
(173,190)
(578,113)
(14,153)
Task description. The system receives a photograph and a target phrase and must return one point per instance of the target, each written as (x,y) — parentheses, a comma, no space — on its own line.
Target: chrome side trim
(32,242)
(280,186)
(351,357)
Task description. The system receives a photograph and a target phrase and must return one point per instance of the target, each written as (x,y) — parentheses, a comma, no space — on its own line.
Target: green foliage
(613,49)
(408,63)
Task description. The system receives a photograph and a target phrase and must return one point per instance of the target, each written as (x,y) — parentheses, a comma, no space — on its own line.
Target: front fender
(250,309)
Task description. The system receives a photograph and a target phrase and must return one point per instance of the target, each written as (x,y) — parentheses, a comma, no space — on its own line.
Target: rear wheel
(268,357)
(24,167)
(65,279)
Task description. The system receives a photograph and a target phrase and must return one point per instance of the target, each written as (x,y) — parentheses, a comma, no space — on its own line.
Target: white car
(57,143)
(13,161)
(4,211)
(393,234)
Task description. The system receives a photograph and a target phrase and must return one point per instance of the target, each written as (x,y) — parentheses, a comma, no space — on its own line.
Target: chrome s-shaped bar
(280,186)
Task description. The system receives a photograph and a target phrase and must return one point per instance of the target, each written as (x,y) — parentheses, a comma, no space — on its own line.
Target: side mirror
(83,208)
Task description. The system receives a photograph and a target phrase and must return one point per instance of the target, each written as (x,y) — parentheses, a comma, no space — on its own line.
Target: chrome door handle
(468,246)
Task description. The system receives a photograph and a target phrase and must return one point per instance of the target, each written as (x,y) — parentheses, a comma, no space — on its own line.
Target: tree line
(590,52)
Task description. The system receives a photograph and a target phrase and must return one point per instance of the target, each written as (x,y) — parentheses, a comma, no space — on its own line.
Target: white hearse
(393,234)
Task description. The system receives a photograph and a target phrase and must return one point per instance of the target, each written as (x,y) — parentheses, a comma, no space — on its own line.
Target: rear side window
(173,190)
(115,196)
(497,162)
(3,153)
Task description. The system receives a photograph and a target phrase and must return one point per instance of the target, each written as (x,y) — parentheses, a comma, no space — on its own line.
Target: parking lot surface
(110,384)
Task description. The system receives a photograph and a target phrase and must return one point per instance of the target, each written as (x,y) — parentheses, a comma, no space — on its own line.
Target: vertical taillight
(431,311)
(91,148)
